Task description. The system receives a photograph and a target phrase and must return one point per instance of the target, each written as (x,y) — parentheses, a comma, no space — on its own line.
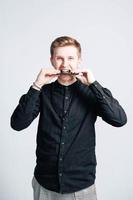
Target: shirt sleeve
(27,110)
(107,106)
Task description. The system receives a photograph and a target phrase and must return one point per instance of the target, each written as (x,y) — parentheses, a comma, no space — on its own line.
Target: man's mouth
(67,72)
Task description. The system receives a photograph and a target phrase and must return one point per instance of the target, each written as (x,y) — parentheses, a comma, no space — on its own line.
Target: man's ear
(51,60)
(80,60)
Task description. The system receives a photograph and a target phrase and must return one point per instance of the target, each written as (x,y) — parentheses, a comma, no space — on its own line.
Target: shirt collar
(59,85)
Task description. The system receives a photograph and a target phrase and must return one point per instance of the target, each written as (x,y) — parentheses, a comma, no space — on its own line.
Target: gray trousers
(41,193)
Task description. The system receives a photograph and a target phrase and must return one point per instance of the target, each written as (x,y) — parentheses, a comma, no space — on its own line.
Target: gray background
(105,30)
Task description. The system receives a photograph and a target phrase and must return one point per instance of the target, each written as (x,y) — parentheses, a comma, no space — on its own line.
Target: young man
(68,100)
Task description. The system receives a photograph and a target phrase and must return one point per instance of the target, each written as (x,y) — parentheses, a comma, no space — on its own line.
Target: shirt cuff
(33,93)
(97,89)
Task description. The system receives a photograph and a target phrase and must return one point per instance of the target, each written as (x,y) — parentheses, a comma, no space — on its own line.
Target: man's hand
(85,76)
(45,76)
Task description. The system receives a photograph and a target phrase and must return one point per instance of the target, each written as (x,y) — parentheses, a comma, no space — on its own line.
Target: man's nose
(65,63)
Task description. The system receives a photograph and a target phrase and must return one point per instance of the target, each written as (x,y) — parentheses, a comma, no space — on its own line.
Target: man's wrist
(91,82)
(36,86)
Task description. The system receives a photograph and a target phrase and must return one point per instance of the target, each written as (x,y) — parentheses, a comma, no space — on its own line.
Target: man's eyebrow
(58,56)
(61,56)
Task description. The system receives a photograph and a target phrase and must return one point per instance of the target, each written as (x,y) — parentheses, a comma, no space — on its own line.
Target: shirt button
(64,127)
(66,97)
(60,159)
(62,143)
(96,85)
(60,174)
(65,111)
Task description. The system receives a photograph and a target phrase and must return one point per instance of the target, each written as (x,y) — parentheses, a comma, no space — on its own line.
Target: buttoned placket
(63,135)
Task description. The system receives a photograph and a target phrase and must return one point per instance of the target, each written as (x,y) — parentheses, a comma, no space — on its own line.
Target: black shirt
(66,160)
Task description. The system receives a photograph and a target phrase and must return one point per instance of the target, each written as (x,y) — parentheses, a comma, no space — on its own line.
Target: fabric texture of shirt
(66,159)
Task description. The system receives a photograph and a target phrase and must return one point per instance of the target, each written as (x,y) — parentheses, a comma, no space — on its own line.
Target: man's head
(65,54)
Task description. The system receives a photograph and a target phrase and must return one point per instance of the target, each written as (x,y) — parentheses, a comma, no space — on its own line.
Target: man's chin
(65,76)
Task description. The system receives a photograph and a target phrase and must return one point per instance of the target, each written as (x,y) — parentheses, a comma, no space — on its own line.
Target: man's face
(66,58)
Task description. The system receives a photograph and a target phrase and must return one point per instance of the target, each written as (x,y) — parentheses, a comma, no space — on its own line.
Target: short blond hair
(64,41)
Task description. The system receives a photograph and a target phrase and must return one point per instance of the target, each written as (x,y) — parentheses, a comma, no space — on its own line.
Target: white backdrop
(105,30)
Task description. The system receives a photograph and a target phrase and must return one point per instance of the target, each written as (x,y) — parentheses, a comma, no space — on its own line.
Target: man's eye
(58,58)
(71,58)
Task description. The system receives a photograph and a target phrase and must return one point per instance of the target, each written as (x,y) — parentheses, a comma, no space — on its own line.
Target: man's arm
(29,104)
(107,106)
